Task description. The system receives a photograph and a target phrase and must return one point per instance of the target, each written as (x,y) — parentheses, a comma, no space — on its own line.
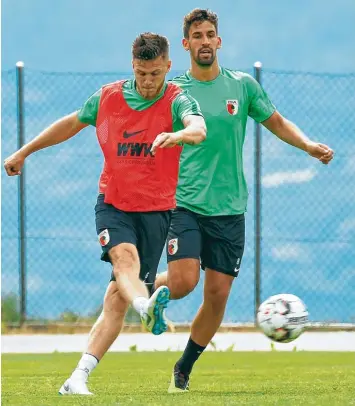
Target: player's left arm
(263,111)
(195,130)
(193,133)
(187,112)
(291,134)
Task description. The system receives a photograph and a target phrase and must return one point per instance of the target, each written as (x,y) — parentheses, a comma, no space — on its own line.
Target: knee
(181,285)
(217,294)
(123,256)
(123,253)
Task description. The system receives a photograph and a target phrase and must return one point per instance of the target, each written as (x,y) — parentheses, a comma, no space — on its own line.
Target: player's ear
(219,42)
(169,65)
(185,44)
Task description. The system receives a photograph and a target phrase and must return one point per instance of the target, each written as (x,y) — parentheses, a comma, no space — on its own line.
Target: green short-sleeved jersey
(182,106)
(211,178)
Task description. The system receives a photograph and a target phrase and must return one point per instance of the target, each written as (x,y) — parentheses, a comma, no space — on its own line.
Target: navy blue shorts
(146,230)
(218,241)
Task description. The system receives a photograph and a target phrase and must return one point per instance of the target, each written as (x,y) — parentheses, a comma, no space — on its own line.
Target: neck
(144,94)
(204,74)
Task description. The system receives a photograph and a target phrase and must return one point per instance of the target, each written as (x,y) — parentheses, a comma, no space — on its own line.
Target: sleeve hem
(267,116)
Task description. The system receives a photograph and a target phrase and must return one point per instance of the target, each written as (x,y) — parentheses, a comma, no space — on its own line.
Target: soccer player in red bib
(141,125)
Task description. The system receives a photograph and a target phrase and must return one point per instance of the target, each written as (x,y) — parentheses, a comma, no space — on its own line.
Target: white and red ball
(282,317)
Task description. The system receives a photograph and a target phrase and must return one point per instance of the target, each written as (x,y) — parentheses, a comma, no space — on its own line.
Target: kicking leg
(102,335)
(126,269)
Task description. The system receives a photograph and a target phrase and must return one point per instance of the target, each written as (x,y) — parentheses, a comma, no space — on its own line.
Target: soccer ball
(282,317)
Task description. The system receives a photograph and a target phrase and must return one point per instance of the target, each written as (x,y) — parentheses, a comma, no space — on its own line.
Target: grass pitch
(219,378)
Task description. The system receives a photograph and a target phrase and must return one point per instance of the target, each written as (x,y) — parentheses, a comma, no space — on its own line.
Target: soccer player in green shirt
(208,226)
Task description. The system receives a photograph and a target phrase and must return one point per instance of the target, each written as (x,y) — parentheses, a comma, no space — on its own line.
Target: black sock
(189,357)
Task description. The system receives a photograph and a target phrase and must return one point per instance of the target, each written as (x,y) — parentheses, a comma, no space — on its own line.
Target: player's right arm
(56,133)
(60,131)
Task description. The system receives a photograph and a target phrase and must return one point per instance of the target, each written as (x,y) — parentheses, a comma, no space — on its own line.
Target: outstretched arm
(58,132)
(291,134)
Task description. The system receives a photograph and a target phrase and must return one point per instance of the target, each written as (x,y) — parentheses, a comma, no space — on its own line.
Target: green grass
(219,378)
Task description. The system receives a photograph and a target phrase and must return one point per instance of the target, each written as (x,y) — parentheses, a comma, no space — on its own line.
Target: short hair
(199,15)
(148,46)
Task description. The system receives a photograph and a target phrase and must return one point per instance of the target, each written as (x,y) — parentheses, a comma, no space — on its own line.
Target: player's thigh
(184,246)
(184,237)
(223,240)
(116,231)
(152,231)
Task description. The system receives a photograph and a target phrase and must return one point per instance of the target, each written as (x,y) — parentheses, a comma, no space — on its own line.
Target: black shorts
(217,240)
(146,230)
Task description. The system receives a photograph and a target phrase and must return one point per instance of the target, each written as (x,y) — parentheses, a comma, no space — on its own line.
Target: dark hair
(199,15)
(149,46)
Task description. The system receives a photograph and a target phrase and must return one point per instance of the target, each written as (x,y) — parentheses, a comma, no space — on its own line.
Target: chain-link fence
(307,208)
(308,216)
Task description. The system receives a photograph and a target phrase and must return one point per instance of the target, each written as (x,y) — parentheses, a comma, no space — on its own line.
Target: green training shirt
(211,177)
(182,106)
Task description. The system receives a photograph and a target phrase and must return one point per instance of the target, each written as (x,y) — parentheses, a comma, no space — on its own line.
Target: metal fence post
(21,192)
(257,186)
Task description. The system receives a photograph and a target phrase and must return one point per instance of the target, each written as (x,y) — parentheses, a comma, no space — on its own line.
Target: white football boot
(74,387)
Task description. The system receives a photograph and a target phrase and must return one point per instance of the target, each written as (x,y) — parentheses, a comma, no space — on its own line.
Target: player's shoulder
(179,84)
(183,97)
(116,86)
(181,80)
(236,75)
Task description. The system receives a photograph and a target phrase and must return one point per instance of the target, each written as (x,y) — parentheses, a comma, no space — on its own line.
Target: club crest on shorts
(173,246)
(104,237)
(232,107)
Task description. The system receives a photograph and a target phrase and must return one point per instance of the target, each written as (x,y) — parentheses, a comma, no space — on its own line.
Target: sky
(67,35)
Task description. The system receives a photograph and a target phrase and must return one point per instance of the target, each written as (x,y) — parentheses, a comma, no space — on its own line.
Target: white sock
(86,364)
(140,305)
